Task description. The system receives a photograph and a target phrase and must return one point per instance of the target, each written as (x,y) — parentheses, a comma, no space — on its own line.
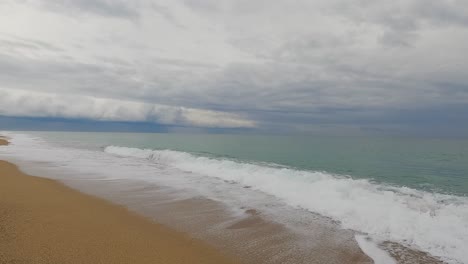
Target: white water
(431,222)
(369,247)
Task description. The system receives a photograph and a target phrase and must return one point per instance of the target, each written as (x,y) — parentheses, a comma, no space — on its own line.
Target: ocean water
(404,190)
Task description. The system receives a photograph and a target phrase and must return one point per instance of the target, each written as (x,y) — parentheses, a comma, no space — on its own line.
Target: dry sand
(43,221)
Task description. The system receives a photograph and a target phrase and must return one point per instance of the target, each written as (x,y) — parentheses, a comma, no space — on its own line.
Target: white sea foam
(431,222)
(369,247)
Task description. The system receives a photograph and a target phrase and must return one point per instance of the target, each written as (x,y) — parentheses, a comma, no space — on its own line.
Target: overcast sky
(299,66)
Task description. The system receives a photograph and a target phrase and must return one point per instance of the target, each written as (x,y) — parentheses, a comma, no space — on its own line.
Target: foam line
(432,222)
(378,255)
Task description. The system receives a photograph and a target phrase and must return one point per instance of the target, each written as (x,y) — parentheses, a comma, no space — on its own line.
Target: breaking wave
(432,222)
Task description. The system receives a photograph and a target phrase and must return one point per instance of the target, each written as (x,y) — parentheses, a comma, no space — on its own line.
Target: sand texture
(43,221)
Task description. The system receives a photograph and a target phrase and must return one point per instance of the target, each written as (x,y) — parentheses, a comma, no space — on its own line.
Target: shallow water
(297,183)
(429,164)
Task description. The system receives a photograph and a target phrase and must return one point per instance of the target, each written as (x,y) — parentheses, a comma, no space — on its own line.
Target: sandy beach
(43,221)
(68,219)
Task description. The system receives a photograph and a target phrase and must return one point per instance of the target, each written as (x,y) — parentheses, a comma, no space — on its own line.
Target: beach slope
(43,221)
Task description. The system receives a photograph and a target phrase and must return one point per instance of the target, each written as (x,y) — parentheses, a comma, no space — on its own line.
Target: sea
(398,199)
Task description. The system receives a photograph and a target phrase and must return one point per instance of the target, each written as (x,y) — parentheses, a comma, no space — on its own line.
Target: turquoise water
(430,164)
(361,183)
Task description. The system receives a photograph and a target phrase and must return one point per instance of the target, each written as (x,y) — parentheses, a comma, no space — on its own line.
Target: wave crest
(431,222)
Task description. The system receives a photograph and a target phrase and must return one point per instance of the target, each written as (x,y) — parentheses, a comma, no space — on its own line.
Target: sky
(286,66)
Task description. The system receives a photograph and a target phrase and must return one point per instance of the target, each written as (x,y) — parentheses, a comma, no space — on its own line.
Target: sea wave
(432,222)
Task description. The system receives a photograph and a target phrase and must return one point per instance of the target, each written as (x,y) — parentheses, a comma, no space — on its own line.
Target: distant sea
(413,191)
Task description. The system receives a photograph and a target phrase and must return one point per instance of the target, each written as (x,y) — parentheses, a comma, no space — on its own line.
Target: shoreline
(44,221)
(251,236)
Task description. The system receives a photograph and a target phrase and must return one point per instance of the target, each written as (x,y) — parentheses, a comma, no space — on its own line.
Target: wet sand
(43,221)
(251,239)
(252,236)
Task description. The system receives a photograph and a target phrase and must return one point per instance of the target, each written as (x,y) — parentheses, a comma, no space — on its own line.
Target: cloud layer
(294,65)
(34,104)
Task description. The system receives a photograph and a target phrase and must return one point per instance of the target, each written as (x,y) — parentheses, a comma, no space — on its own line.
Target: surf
(414,218)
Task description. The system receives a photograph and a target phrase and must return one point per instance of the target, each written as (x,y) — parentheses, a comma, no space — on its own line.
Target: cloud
(111,8)
(33,104)
(293,64)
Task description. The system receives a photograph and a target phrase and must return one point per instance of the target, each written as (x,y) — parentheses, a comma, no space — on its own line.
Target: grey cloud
(11,45)
(165,12)
(402,20)
(68,77)
(31,104)
(443,12)
(14,43)
(183,63)
(204,5)
(110,77)
(112,8)
(301,64)
(287,93)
